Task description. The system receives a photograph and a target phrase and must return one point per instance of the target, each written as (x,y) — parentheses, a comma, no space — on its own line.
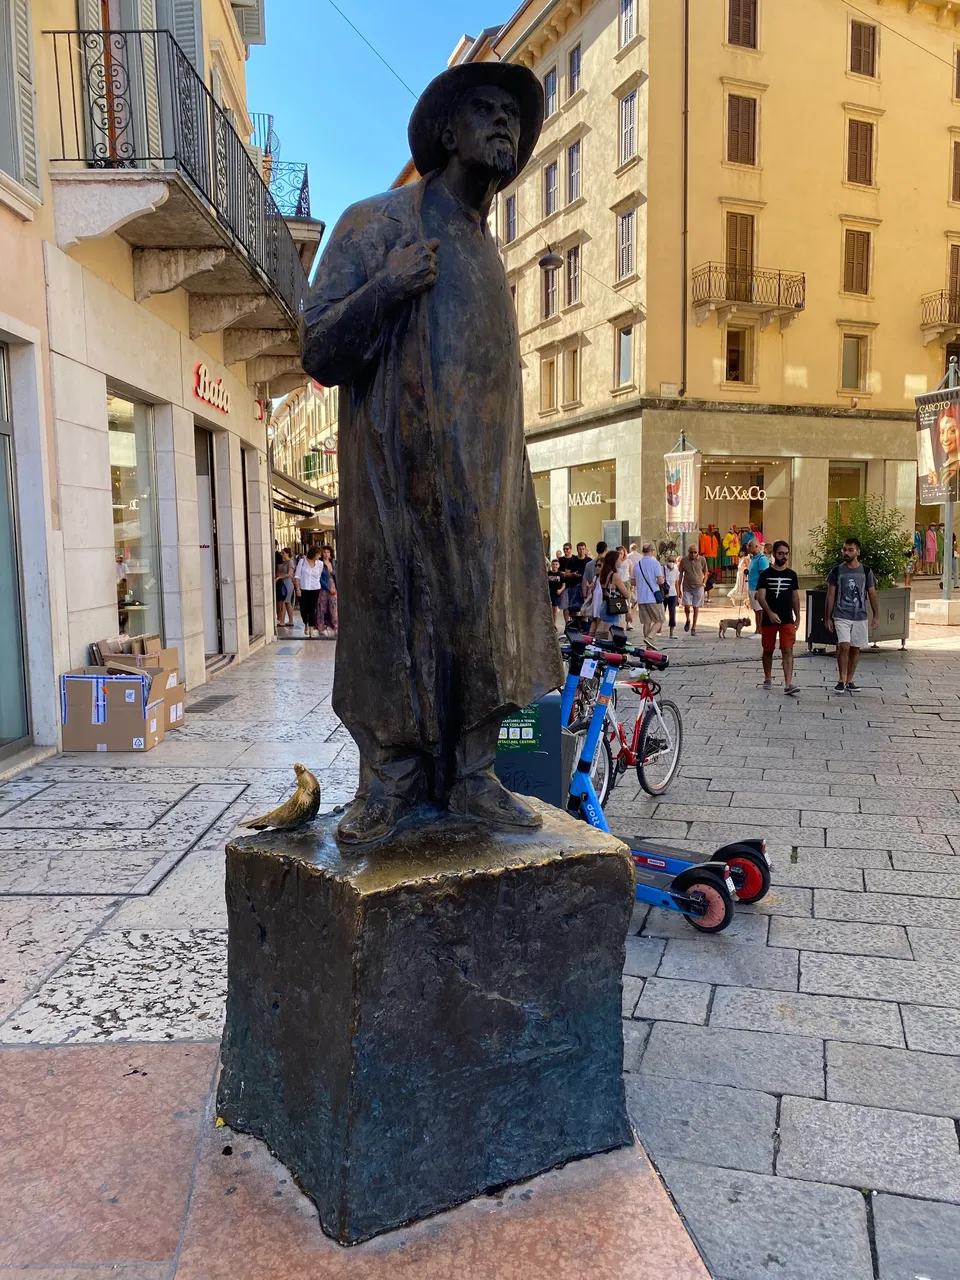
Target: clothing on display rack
(710,546)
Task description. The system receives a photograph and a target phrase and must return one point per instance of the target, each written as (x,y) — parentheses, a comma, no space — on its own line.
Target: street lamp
(551,260)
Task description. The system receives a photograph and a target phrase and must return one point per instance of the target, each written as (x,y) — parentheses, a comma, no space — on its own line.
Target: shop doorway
(14,721)
(209,555)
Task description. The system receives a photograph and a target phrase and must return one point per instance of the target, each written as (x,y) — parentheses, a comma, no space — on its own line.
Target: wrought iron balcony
(131,102)
(751,290)
(940,316)
(288,179)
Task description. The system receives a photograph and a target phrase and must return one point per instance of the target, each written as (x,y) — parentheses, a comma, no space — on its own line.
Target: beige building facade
(754,208)
(304,441)
(152,318)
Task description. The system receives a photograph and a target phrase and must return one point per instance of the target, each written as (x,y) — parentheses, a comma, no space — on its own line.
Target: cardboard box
(146,644)
(173,706)
(165,659)
(106,711)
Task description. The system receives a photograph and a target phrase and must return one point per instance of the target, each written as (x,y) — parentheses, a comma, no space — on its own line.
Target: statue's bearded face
(484,130)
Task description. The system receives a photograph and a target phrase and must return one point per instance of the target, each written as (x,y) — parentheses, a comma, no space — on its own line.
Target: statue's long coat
(445,621)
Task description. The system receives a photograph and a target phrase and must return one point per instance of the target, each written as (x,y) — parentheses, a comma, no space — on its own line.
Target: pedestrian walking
(285,589)
(850,586)
(759,563)
(590,574)
(611,600)
(778,594)
(328,615)
(577,566)
(671,577)
(308,578)
(693,572)
(648,578)
(555,587)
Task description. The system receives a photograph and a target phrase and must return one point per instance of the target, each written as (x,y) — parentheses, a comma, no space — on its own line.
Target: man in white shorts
(849,586)
(693,572)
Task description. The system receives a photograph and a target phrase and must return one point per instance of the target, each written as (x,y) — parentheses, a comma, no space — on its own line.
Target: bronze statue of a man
(445,624)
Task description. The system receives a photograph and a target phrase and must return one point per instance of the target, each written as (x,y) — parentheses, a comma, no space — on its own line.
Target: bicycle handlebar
(618,648)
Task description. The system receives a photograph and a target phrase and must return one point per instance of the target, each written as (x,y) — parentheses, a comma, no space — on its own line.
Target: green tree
(880,530)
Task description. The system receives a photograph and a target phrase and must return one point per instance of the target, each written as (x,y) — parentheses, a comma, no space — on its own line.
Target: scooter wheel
(717,903)
(753,868)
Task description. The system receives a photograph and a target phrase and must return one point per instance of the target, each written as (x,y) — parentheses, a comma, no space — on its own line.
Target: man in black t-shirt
(778,594)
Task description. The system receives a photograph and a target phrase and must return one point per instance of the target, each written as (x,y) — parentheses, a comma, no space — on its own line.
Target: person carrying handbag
(649,579)
(611,605)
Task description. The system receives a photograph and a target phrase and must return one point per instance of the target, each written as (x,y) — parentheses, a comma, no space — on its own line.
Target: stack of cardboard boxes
(128,701)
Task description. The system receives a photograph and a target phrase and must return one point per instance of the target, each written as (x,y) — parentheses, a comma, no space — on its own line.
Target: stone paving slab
(744,927)
(932,1030)
(769,1063)
(845,937)
(795,1013)
(817,871)
(916,1238)
(859,1146)
(884,908)
(943,883)
(728,1128)
(674,1000)
(938,946)
(897,1078)
(632,990)
(643,956)
(879,978)
(715,959)
(38,934)
(752,1227)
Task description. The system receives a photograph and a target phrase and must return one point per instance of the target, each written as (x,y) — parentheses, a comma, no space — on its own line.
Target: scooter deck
(657,849)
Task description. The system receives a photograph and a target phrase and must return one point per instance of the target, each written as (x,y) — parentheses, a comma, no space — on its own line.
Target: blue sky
(334,103)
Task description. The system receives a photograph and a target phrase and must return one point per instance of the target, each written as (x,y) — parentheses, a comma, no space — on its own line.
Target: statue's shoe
(372,818)
(485,799)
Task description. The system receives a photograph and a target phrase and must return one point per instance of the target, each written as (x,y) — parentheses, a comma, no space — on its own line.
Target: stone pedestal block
(411,1028)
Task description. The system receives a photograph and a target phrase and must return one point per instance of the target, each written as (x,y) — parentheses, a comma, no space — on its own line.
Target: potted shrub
(884,540)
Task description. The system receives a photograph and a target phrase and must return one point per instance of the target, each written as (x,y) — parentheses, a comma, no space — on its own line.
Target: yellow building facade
(148,312)
(304,441)
(757,208)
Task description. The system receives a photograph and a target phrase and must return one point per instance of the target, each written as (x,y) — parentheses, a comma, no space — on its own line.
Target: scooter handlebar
(643,657)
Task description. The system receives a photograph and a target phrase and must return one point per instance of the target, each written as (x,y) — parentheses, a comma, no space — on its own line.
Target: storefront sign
(682,490)
(210,391)
(938,446)
(591,499)
(733,493)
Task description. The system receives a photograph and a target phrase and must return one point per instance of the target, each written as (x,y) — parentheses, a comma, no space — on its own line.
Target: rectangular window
(511,228)
(628,21)
(740,232)
(573,275)
(863,48)
(549,293)
(135,526)
(625,356)
(548,384)
(955,193)
(737,362)
(571,375)
(741,130)
(953,280)
(573,172)
(573,79)
(628,127)
(860,152)
(856,262)
(956,76)
(851,363)
(742,27)
(626,223)
(550,92)
(551,194)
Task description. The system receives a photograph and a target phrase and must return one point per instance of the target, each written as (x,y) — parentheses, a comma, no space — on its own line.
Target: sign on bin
(520,731)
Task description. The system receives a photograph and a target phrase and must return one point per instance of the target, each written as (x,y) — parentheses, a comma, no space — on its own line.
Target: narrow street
(796,1080)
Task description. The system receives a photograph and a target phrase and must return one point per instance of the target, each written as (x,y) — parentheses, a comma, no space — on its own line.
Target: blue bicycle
(702,891)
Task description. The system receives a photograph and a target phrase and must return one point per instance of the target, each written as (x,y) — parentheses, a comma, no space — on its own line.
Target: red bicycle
(653,748)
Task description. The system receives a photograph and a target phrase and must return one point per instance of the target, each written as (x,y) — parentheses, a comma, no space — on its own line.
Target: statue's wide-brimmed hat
(431,114)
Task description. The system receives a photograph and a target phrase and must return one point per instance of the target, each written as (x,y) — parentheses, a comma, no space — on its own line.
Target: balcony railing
(132,100)
(290,187)
(718,285)
(940,308)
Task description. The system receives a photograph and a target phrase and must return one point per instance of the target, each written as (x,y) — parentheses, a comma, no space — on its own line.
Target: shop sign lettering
(592,498)
(210,390)
(733,493)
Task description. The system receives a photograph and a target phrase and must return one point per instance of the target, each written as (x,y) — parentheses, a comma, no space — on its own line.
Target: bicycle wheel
(658,751)
(601,775)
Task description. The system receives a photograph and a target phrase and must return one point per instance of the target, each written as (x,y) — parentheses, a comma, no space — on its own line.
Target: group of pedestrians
(311,581)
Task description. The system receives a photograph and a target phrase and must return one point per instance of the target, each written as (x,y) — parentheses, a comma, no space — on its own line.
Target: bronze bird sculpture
(300,809)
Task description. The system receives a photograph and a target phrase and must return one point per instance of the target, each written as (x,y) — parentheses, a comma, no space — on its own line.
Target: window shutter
(182,18)
(956,171)
(954,284)
(25,96)
(89,15)
(251,21)
(956,78)
(742,27)
(863,48)
(856,265)
(741,130)
(860,152)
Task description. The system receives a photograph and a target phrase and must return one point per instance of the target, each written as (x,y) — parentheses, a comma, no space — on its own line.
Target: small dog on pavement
(733,624)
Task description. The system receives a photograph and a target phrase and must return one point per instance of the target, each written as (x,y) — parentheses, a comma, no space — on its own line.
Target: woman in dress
(609,584)
(327,614)
(285,590)
(739,593)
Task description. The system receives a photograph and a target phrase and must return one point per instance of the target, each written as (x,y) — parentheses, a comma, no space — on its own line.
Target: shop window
(541,488)
(14,725)
(737,358)
(846,482)
(571,375)
(551,188)
(550,92)
(135,529)
(511,219)
(574,76)
(550,292)
(860,152)
(548,384)
(741,130)
(573,172)
(573,275)
(742,25)
(852,362)
(593,499)
(625,356)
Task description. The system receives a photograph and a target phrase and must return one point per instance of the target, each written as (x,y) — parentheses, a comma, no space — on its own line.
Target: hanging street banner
(938,446)
(682,485)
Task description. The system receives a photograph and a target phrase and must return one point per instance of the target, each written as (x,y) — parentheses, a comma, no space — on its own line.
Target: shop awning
(287,486)
(321,521)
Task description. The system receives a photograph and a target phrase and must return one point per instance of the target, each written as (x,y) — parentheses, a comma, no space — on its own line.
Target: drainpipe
(685,151)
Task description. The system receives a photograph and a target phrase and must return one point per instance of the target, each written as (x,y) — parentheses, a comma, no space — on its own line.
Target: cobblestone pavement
(796,1080)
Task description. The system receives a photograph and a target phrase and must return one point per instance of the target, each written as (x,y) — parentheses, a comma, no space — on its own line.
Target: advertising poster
(938,446)
(682,484)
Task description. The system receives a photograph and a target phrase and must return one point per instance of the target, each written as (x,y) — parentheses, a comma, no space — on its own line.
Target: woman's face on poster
(949,435)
